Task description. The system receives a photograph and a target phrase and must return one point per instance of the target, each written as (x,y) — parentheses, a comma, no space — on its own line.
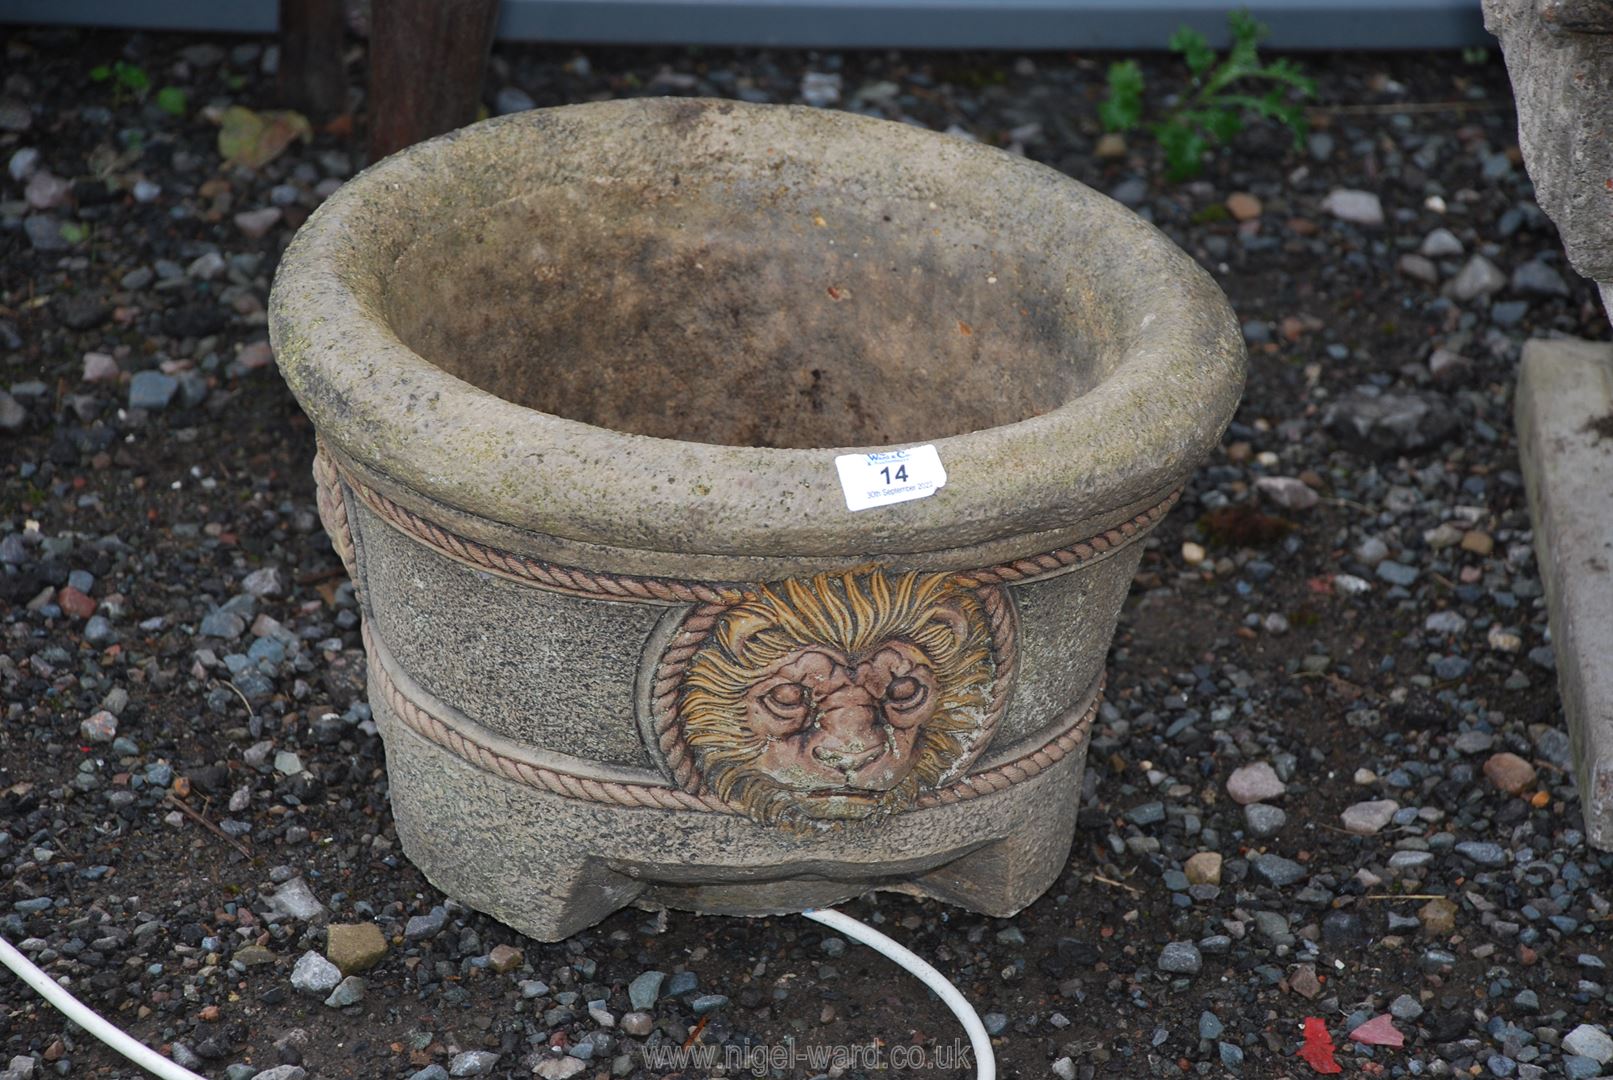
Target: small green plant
(131,83)
(1222,95)
(173,100)
(128,80)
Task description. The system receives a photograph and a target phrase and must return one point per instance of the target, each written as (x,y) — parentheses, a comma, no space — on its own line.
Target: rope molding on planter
(331,502)
(1050,753)
(610,586)
(990,781)
(425,722)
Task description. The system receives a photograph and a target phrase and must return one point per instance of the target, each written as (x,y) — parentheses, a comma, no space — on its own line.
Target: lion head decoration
(842,698)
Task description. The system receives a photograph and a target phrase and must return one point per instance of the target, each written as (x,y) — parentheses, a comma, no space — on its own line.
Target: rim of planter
(1173,386)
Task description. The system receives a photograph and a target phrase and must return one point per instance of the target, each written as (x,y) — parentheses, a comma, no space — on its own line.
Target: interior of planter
(750,314)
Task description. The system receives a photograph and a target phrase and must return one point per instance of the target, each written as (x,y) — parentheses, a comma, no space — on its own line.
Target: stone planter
(578,375)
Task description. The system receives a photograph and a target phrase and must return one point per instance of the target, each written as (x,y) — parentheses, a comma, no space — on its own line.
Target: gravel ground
(1330,781)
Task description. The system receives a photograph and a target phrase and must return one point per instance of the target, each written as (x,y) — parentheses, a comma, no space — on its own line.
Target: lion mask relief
(840,698)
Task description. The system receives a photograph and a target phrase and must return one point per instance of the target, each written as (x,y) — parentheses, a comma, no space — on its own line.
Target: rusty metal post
(427,58)
(311,75)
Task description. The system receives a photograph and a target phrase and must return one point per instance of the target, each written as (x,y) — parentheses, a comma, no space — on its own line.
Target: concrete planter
(578,375)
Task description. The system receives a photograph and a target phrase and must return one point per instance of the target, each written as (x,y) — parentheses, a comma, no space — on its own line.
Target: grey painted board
(912,24)
(996,24)
(240,16)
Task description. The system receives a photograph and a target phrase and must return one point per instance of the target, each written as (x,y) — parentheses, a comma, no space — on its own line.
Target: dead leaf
(105,162)
(1318,1048)
(254,139)
(1345,689)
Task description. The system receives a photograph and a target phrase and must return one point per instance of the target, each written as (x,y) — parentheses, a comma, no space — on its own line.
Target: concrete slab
(1565,434)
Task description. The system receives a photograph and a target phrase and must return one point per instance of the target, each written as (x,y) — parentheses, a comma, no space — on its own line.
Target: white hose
(985,1060)
(92,1022)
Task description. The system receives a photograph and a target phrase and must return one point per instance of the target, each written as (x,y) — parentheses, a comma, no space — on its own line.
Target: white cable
(985,1060)
(154,1063)
(91,1021)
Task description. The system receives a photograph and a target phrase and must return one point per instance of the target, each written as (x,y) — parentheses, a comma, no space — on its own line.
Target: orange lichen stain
(964,328)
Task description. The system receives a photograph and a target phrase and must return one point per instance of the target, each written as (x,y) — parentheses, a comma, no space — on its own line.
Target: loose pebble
(1509,772)
(1255,782)
(1370,817)
(1354,206)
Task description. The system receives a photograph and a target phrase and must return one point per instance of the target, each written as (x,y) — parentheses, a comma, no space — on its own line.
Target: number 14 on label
(890,476)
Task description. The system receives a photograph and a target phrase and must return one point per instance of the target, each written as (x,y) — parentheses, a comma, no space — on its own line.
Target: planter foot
(571,897)
(1004,877)
(565,896)
(509,851)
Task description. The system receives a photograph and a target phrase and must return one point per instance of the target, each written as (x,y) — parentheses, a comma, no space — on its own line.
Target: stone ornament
(580,380)
(836,699)
(1559,56)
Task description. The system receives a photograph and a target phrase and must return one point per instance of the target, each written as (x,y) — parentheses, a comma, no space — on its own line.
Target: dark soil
(169,509)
